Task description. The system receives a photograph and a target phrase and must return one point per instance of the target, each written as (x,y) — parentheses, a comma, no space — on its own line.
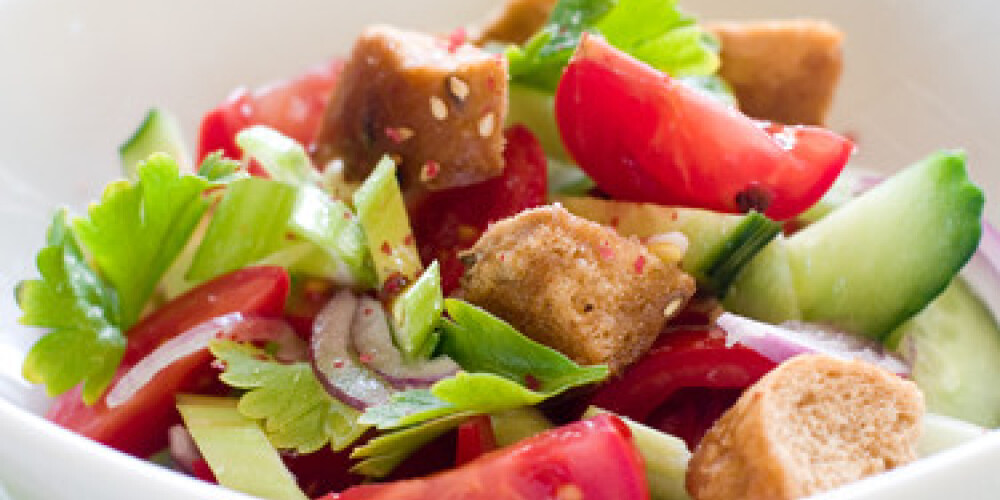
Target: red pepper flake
(456,39)
(365,358)
(368,311)
(408,240)
(386,248)
(398,134)
(531,382)
(219,364)
(640,264)
(467,233)
(605,251)
(673,215)
(394,284)
(503,256)
(615,220)
(491,84)
(347,215)
(430,170)
(338,363)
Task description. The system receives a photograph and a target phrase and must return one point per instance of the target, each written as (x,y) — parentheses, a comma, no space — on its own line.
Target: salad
(587,249)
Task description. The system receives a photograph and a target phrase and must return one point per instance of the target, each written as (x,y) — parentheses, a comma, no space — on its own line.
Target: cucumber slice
(875,262)
(158,133)
(953,347)
(719,245)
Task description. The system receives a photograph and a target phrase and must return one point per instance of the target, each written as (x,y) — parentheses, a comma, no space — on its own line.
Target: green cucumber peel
(727,258)
(159,132)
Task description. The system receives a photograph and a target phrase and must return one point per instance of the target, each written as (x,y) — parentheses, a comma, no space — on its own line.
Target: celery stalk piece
(416,312)
(666,458)
(283,158)
(380,207)
(512,426)
(236,449)
(332,226)
(249,223)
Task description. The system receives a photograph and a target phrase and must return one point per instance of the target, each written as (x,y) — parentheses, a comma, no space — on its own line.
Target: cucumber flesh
(158,133)
(719,245)
(877,261)
(765,290)
(953,347)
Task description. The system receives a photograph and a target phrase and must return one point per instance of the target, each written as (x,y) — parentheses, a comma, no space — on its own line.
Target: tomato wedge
(685,382)
(138,426)
(593,458)
(293,107)
(447,222)
(475,439)
(643,136)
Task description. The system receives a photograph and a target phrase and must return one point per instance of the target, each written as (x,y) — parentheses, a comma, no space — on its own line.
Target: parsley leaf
(137,229)
(382,454)
(654,31)
(297,411)
(85,343)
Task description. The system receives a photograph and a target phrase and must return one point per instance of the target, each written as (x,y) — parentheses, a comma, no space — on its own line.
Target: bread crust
(810,425)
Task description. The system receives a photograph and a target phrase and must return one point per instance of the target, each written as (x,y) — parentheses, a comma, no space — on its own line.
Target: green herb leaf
(297,411)
(134,233)
(483,343)
(282,157)
(654,31)
(385,452)
(330,225)
(218,169)
(249,223)
(406,408)
(84,343)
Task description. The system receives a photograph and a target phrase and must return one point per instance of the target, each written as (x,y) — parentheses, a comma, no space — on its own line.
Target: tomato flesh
(447,222)
(656,389)
(643,136)
(139,426)
(294,108)
(593,458)
(475,439)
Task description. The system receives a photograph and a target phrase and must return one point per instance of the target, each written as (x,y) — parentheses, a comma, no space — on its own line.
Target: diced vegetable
(283,158)
(416,313)
(330,225)
(237,449)
(380,207)
(382,454)
(139,426)
(514,425)
(475,439)
(158,133)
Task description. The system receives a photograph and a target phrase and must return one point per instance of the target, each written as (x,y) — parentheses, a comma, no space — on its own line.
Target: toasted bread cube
(784,71)
(438,108)
(514,22)
(574,285)
(810,425)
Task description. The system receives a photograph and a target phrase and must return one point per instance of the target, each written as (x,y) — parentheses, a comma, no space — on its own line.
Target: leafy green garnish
(218,169)
(297,411)
(71,298)
(382,454)
(654,31)
(406,408)
(282,157)
(249,223)
(330,225)
(137,229)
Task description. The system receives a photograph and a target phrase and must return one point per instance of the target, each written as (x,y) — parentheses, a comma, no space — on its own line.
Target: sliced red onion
(336,366)
(231,326)
(183,451)
(372,339)
(779,343)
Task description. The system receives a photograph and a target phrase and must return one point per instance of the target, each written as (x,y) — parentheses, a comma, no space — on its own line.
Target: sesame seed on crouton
(574,285)
(813,423)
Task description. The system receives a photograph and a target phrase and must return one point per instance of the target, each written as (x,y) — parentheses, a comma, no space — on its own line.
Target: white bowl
(78,76)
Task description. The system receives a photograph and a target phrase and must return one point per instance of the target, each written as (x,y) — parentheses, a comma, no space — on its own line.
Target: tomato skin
(449,221)
(139,425)
(593,458)
(293,107)
(643,136)
(683,359)
(475,439)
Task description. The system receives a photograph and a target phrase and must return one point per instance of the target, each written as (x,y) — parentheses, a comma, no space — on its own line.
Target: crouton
(574,285)
(514,22)
(810,425)
(784,71)
(437,108)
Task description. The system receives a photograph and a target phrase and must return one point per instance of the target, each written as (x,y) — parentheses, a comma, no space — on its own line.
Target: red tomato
(689,357)
(447,222)
(139,425)
(643,136)
(294,108)
(593,458)
(305,300)
(475,439)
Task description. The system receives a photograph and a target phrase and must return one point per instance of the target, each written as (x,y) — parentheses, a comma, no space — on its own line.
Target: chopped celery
(282,157)
(382,454)
(332,226)
(249,223)
(158,133)
(306,259)
(514,425)
(416,313)
(380,207)
(666,458)
(236,449)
